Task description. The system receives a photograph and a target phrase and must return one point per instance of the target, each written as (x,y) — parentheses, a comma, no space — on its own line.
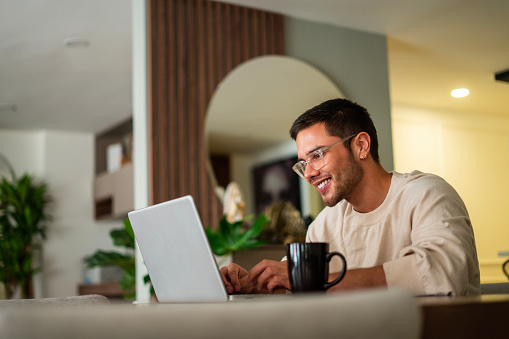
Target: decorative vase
(223,260)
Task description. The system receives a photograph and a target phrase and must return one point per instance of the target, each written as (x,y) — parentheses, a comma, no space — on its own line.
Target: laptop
(178,256)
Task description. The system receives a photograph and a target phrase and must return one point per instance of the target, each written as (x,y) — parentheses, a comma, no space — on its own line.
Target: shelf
(114,193)
(113,184)
(121,133)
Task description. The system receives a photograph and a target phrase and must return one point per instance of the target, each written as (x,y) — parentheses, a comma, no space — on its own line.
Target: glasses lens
(299,168)
(316,160)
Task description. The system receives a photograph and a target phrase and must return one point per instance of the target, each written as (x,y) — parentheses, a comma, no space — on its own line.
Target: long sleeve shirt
(421,234)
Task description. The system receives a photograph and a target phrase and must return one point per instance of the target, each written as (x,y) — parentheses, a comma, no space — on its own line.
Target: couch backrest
(369,314)
(93,299)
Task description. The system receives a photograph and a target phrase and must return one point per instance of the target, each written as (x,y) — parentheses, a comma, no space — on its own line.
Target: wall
(356,62)
(140,130)
(65,161)
(471,153)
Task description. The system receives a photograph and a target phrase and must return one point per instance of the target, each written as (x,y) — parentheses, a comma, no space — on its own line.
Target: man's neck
(372,190)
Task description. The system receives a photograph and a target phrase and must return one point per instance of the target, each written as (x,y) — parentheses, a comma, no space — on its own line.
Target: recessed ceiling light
(7,107)
(76,43)
(460,92)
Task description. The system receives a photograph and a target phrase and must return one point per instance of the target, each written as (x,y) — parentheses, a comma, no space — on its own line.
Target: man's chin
(331,201)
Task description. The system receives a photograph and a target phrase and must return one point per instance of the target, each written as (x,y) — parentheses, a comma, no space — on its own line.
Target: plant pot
(223,260)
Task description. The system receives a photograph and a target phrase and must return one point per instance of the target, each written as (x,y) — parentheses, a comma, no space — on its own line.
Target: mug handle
(343,271)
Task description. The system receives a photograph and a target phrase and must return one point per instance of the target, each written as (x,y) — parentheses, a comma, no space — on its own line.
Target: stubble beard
(345,182)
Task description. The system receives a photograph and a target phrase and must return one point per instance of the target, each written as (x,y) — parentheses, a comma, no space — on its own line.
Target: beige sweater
(421,234)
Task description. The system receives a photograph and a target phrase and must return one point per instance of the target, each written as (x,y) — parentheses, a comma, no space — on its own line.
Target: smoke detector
(76,43)
(4,107)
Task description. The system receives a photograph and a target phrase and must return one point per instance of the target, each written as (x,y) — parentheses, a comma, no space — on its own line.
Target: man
(395,230)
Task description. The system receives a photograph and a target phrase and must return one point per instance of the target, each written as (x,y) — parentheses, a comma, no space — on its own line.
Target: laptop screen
(177,253)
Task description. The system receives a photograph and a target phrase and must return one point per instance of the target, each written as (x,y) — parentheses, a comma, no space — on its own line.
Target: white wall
(140,125)
(470,151)
(66,162)
(24,150)
(356,62)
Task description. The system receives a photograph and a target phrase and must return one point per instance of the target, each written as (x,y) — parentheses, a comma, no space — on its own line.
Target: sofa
(368,314)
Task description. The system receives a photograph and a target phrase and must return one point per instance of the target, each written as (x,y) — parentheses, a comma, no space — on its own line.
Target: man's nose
(310,172)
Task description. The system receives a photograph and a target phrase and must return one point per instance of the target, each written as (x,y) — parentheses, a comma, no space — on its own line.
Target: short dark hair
(342,118)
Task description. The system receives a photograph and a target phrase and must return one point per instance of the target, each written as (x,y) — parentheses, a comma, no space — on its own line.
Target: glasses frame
(319,152)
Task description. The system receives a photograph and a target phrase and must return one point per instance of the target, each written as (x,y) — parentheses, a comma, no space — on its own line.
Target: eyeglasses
(315,159)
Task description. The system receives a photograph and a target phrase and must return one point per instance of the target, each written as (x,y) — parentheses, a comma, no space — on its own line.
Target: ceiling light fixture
(460,92)
(502,76)
(76,43)
(4,107)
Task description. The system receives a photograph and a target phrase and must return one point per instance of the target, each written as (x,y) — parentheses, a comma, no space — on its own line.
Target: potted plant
(22,224)
(236,236)
(122,237)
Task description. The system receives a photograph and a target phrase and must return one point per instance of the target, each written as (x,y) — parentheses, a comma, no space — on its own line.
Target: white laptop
(177,253)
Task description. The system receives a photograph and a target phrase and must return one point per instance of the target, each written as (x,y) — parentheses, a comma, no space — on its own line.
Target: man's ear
(362,144)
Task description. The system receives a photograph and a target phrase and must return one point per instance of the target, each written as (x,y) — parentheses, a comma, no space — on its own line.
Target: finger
(268,274)
(233,274)
(277,283)
(257,270)
(265,270)
(224,276)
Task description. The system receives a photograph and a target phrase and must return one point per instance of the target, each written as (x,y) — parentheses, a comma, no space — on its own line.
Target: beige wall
(471,153)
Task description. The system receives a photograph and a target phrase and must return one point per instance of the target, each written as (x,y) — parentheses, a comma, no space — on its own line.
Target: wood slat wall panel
(193,45)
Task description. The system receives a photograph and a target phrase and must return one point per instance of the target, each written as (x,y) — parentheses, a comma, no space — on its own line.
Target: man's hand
(269,275)
(235,279)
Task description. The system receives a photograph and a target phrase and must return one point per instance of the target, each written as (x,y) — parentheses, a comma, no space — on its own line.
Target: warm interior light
(460,92)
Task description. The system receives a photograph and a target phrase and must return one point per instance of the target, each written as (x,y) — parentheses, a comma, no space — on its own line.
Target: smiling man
(409,231)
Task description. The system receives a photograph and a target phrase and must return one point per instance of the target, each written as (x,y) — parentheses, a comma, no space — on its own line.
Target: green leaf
(222,250)
(103,258)
(254,231)
(224,229)
(128,280)
(27,265)
(216,241)
(231,236)
(122,238)
(129,229)
(146,279)
(22,216)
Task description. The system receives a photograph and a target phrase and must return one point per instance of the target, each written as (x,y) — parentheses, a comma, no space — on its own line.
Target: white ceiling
(60,88)
(434,47)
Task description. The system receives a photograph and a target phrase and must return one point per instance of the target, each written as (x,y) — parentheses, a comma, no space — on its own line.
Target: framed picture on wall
(276,182)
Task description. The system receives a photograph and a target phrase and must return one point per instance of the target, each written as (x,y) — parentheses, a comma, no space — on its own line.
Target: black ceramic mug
(308,266)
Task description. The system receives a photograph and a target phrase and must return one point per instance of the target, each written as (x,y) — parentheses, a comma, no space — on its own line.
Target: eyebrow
(311,151)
